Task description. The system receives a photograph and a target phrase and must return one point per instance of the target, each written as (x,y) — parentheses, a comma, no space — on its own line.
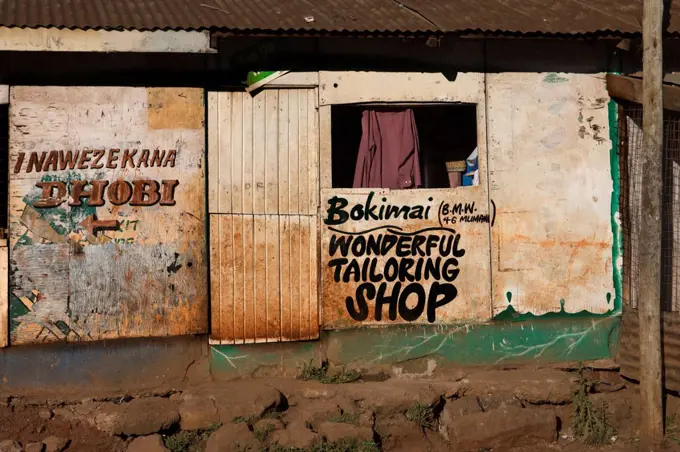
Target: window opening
(434,146)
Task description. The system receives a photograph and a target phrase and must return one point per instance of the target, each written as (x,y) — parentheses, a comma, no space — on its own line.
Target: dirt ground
(528,410)
(25,424)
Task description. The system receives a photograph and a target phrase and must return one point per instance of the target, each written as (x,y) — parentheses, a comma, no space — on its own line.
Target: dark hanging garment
(389,150)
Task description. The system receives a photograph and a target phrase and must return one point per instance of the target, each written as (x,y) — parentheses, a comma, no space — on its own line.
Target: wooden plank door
(263,201)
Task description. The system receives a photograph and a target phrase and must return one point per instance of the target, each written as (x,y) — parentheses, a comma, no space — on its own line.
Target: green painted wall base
(541,341)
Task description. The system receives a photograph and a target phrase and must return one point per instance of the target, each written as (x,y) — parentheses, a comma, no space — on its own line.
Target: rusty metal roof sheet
(407,16)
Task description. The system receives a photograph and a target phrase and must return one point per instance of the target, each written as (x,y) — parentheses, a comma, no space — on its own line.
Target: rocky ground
(527,409)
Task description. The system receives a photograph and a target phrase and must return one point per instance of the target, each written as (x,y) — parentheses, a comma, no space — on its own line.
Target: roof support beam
(64,40)
(630,89)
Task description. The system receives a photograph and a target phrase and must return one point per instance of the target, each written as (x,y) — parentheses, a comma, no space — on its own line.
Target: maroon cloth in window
(389,150)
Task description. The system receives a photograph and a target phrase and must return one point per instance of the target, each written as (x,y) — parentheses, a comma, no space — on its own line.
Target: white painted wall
(56,40)
(550,176)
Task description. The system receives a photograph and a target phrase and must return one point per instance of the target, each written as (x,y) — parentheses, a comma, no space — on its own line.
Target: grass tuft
(320,373)
(423,415)
(262,433)
(344,445)
(189,440)
(673,428)
(589,422)
(346,418)
(245,419)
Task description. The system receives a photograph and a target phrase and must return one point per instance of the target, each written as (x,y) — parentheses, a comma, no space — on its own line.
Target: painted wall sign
(405,256)
(106,213)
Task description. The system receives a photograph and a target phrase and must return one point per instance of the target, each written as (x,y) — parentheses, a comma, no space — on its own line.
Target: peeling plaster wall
(115,261)
(551,179)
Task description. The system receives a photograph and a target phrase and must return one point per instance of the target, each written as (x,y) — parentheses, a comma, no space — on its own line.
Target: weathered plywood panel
(271,144)
(358,87)
(4,291)
(408,256)
(551,180)
(107,196)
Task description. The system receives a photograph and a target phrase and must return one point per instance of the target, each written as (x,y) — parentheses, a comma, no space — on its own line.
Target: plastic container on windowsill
(469,178)
(455,170)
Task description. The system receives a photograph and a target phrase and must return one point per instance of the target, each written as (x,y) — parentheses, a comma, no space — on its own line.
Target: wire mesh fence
(632,180)
(670,247)
(630,144)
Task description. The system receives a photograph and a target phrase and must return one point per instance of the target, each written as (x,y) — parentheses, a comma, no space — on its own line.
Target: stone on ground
(400,434)
(10,446)
(232,438)
(499,401)
(295,436)
(34,447)
(391,399)
(268,425)
(151,443)
(455,409)
(55,443)
(335,431)
(246,399)
(311,412)
(367,419)
(318,392)
(197,412)
(557,393)
(137,418)
(509,427)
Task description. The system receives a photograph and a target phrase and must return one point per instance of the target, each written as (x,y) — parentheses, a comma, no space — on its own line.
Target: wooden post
(649,305)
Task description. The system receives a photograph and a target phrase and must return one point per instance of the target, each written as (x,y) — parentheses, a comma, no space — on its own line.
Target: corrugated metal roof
(410,16)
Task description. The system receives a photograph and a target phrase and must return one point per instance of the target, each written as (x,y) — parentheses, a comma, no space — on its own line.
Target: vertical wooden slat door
(263,201)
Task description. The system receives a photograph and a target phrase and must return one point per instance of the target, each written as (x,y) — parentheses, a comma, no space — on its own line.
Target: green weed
(344,445)
(673,429)
(423,415)
(589,422)
(346,418)
(320,373)
(245,419)
(189,440)
(262,433)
